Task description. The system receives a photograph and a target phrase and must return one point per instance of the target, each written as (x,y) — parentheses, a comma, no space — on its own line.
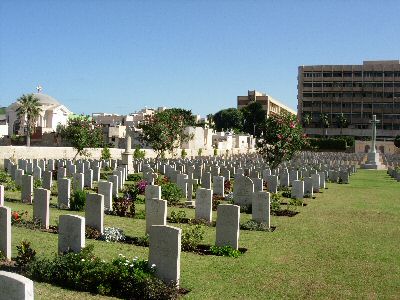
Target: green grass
(343,244)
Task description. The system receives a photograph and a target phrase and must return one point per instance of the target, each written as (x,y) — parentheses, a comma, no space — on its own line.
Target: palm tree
(342,122)
(28,111)
(324,123)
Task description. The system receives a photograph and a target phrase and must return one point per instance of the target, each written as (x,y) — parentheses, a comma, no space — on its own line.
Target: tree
(82,133)
(342,122)
(28,111)
(281,138)
(397,141)
(253,118)
(307,119)
(230,118)
(325,123)
(165,131)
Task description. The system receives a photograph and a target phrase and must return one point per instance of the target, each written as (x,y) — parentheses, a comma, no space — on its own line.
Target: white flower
(131,265)
(153,265)
(82,259)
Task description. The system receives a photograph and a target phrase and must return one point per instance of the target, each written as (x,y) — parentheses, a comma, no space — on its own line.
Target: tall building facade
(347,96)
(269,104)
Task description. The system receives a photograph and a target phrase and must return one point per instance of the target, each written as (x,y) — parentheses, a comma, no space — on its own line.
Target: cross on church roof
(39,88)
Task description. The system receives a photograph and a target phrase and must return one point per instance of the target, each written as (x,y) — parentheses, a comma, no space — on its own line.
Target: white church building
(52,114)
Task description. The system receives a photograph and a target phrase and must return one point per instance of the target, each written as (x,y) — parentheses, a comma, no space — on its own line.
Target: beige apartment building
(270,105)
(355,92)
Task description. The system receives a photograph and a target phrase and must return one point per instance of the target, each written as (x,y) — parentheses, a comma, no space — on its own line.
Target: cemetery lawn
(343,244)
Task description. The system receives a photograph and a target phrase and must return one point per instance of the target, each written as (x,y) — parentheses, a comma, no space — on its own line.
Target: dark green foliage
(397,141)
(81,133)
(105,153)
(230,118)
(78,201)
(28,111)
(225,251)
(37,184)
(178,217)
(254,117)
(25,255)
(192,237)
(275,202)
(123,278)
(7,182)
(139,154)
(336,144)
(171,192)
(134,177)
(164,131)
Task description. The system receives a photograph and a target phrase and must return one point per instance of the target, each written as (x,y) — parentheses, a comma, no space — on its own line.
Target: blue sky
(119,56)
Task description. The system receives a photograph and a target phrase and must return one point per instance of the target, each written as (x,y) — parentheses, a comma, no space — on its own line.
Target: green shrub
(25,255)
(183,153)
(215,151)
(134,177)
(122,277)
(105,153)
(254,226)
(225,251)
(178,217)
(191,237)
(171,192)
(139,154)
(275,202)
(37,183)
(7,182)
(200,152)
(78,201)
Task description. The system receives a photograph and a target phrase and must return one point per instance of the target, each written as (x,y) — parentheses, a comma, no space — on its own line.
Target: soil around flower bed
(285,213)
(206,250)
(192,222)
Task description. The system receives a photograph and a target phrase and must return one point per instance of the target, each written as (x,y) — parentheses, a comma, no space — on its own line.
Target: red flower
(15,215)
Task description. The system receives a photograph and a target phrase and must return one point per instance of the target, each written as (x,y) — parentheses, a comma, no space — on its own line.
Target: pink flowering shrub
(141,186)
(281,138)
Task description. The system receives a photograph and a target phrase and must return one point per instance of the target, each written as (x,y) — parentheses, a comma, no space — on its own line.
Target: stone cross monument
(374,121)
(372,156)
(127,155)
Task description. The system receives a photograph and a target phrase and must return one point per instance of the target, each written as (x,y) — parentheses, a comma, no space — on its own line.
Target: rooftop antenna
(39,88)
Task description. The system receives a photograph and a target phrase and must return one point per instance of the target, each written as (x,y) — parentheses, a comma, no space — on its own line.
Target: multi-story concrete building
(270,105)
(350,93)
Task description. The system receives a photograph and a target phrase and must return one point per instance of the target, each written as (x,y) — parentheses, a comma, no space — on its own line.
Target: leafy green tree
(397,141)
(324,119)
(307,119)
(254,117)
(82,133)
(230,118)
(28,110)
(165,131)
(281,138)
(342,122)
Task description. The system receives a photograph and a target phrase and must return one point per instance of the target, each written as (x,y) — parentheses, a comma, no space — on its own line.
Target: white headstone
(227,230)
(71,233)
(94,211)
(41,207)
(5,231)
(165,252)
(15,287)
